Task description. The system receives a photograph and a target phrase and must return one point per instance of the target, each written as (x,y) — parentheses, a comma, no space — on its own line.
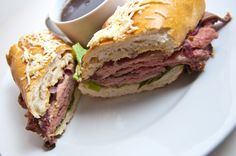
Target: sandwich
(147,44)
(42,66)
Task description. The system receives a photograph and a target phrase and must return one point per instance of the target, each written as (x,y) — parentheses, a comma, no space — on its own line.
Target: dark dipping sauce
(77,8)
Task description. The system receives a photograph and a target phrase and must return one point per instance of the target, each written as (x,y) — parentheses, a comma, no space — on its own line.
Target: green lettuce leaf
(79,52)
(94,86)
(156,78)
(77,75)
(149,81)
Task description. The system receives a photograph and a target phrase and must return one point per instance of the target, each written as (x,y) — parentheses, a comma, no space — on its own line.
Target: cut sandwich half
(146,44)
(42,66)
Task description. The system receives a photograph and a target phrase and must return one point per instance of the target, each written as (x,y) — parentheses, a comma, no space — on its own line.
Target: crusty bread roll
(45,69)
(138,27)
(42,66)
(157,25)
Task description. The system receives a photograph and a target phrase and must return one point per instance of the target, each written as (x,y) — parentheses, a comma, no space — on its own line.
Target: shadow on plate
(106,119)
(91,105)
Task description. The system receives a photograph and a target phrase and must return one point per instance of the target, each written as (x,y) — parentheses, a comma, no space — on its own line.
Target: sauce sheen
(77,8)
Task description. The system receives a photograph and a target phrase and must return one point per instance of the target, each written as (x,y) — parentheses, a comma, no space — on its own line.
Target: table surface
(227,148)
(39,11)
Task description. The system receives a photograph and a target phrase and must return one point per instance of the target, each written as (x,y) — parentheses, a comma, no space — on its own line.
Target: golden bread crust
(177,16)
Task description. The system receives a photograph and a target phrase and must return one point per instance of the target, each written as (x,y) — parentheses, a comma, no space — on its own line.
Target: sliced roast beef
(22,102)
(210,18)
(127,65)
(194,53)
(135,76)
(61,96)
(143,70)
(203,38)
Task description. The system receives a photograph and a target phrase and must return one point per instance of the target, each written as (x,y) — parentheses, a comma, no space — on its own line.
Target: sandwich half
(147,44)
(42,66)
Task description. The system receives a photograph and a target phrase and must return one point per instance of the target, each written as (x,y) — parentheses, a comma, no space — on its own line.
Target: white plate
(189,117)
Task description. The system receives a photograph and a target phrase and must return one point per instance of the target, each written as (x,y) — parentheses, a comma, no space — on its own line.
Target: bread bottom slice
(106,92)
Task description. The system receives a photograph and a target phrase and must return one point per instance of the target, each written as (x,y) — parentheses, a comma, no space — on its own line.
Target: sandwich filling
(193,53)
(60,102)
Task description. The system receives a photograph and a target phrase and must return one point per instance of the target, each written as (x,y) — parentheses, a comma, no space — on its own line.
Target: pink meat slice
(203,38)
(135,76)
(59,103)
(195,51)
(127,65)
